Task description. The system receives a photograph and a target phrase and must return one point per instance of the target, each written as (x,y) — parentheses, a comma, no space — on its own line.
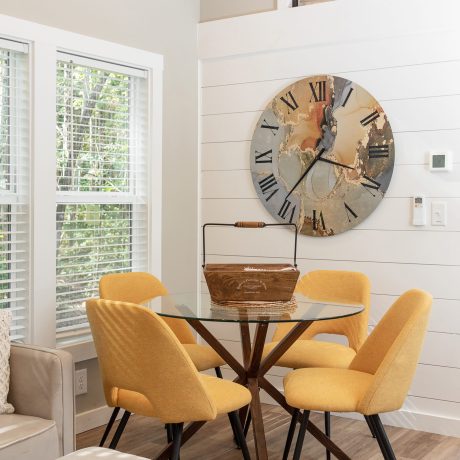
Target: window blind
(101,213)
(14,177)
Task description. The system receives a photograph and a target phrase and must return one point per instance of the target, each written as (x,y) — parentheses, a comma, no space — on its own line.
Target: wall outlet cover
(81,382)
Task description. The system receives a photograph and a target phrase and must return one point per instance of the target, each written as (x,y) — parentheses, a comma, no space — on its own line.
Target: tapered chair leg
(327,430)
(120,429)
(247,424)
(370,425)
(218,372)
(109,426)
(290,435)
(382,438)
(301,435)
(177,440)
(235,420)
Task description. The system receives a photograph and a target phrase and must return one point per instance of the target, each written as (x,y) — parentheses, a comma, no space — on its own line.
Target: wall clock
(322,155)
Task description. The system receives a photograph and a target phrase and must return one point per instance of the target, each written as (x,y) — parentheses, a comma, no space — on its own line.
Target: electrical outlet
(81,382)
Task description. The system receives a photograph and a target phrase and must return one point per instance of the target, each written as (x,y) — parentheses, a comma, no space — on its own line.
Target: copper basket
(250,282)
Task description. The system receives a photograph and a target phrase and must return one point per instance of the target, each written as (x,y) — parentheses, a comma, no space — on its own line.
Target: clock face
(322,155)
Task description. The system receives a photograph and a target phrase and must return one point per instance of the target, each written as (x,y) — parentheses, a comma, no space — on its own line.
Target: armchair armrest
(41,385)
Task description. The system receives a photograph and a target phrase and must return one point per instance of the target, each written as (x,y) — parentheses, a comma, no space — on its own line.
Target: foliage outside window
(101,204)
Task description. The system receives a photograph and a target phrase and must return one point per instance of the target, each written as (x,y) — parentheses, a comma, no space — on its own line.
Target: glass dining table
(199,309)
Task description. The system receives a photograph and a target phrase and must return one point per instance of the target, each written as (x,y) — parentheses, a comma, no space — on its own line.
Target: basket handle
(249,224)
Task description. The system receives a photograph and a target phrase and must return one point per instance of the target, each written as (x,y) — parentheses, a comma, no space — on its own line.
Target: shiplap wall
(407,55)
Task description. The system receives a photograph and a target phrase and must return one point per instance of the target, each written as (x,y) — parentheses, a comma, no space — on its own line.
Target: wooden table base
(252,374)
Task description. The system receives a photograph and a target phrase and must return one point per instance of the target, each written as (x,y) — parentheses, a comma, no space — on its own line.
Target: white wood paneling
(414,71)
(412,148)
(407,180)
(392,214)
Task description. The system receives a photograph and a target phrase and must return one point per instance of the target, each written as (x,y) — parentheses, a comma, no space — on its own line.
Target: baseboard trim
(93,418)
(404,419)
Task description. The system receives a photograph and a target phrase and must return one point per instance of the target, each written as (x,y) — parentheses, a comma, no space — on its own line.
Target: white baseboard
(93,418)
(430,423)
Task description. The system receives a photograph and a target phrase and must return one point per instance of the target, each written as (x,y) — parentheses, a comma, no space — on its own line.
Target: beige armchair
(41,390)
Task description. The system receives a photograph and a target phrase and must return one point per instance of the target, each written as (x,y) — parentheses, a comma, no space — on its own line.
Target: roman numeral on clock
(267,185)
(379,151)
(289,100)
(350,212)
(264,157)
(318,219)
(266,125)
(370,118)
(318,91)
(348,97)
(284,211)
(372,185)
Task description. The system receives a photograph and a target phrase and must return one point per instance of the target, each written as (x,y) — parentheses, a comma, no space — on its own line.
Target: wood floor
(145,437)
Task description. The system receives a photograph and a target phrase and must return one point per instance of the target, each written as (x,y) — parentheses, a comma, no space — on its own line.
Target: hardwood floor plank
(146,437)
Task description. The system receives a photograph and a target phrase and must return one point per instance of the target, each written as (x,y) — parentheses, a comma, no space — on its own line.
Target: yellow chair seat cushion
(313,353)
(326,390)
(226,395)
(203,356)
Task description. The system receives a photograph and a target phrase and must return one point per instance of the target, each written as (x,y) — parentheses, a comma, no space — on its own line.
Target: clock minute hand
(302,177)
(326,160)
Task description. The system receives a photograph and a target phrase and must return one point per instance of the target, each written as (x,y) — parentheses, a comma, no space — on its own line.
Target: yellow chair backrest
(138,288)
(137,351)
(391,352)
(335,286)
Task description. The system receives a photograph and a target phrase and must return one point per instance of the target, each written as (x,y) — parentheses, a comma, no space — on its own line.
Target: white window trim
(45,43)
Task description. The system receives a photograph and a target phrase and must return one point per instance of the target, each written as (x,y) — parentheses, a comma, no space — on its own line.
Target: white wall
(168,28)
(219,9)
(407,55)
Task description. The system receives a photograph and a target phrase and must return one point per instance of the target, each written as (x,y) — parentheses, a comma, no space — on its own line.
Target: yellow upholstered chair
(146,370)
(332,286)
(377,379)
(138,288)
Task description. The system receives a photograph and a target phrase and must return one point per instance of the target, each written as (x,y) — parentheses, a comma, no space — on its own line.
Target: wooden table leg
(257,421)
(218,347)
(245,335)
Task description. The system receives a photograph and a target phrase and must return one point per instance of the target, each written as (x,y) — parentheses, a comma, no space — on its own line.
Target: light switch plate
(439,213)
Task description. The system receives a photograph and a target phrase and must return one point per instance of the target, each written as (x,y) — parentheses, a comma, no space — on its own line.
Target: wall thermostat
(440,161)
(418,210)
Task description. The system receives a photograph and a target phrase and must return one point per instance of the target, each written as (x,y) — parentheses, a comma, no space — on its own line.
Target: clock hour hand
(302,177)
(326,160)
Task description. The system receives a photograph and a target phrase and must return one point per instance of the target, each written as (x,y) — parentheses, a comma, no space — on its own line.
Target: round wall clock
(322,155)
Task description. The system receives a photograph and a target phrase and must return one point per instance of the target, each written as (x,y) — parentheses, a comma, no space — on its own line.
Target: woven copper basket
(250,282)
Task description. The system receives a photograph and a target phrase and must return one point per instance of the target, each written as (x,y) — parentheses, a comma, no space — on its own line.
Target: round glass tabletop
(201,307)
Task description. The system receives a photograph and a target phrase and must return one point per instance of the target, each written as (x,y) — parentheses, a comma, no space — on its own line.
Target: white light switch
(438,213)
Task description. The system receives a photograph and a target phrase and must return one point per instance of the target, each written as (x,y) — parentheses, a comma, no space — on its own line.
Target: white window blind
(14,177)
(101,213)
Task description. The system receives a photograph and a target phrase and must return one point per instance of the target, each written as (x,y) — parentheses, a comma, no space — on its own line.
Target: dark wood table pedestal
(252,374)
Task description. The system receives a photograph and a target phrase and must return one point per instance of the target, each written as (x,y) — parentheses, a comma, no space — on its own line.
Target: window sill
(81,351)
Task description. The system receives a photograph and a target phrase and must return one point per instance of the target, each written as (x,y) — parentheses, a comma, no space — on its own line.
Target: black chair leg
(327,430)
(169,432)
(236,423)
(290,435)
(235,437)
(109,425)
(120,429)
(370,425)
(247,423)
(382,438)
(301,435)
(177,440)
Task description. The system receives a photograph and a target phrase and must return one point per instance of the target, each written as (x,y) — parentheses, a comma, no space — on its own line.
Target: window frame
(44,44)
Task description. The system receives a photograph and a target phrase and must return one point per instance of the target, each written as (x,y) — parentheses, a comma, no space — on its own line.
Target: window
(14,206)
(101,212)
